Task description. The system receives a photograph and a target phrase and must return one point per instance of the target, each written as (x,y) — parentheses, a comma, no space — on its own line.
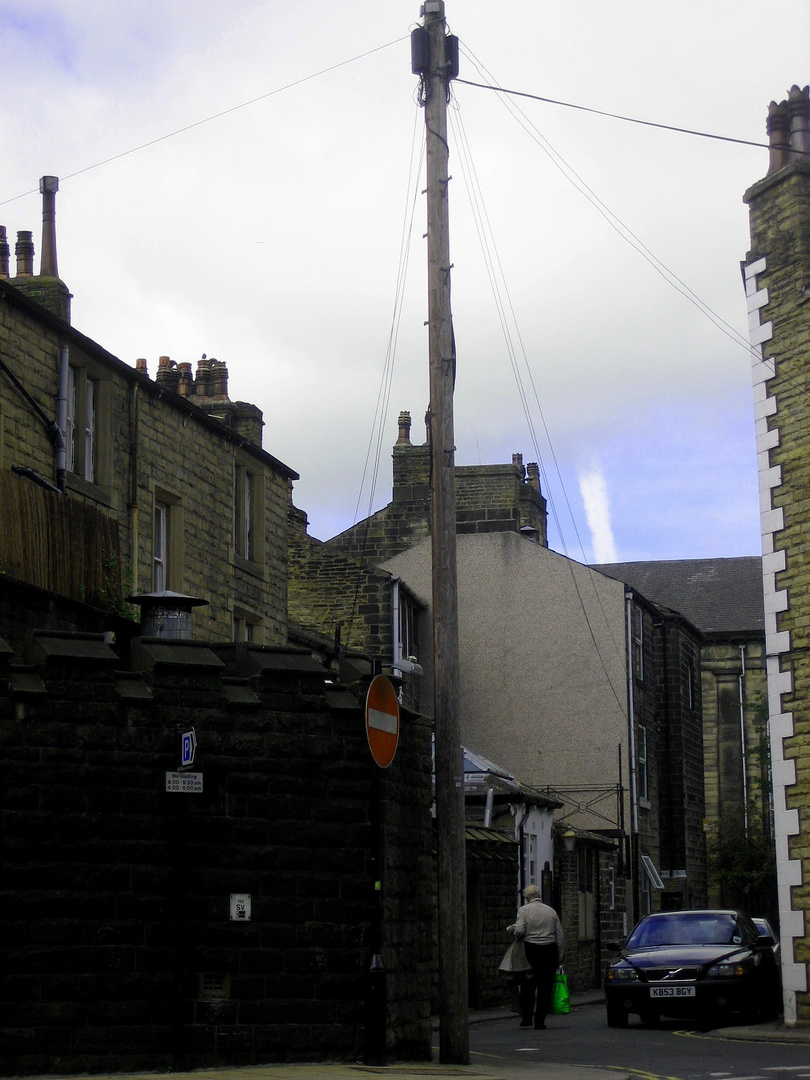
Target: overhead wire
(376,435)
(508,319)
(626,119)
(214,116)
(613,220)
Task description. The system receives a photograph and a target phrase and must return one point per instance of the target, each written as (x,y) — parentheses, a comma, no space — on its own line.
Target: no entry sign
(382,720)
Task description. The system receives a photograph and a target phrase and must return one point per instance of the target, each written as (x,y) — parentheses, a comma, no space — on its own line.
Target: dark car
(693,963)
(764,927)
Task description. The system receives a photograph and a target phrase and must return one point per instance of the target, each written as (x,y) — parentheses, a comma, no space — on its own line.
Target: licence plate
(672,991)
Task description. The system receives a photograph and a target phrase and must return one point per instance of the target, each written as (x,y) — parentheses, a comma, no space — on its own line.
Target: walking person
(539,928)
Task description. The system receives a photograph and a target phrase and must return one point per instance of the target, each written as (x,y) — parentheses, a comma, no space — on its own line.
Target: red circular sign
(382,720)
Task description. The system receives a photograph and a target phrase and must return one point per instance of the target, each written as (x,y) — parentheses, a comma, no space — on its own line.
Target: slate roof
(718,596)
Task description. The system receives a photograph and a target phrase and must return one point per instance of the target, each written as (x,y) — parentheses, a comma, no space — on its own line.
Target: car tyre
(616,1015)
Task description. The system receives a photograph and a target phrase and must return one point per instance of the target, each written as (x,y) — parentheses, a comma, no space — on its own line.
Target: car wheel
(616,1016)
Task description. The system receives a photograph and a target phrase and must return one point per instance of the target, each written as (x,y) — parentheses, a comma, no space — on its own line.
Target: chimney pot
(533,473)
(778,128)
(140,365)
(167,372)
(48,186)
(404,436)
(185,380)
(203,377)
(798,108)
(219,380)
(5,252)
(24,250)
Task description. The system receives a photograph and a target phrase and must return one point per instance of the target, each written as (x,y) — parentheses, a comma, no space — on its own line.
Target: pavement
(478,1069)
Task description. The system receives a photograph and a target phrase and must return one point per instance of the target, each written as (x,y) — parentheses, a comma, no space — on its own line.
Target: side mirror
(764,941)
(613,946)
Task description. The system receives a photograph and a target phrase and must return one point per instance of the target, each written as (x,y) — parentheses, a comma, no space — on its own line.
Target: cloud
(593,489)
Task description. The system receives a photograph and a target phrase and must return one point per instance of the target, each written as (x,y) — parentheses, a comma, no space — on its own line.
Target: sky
(243,181)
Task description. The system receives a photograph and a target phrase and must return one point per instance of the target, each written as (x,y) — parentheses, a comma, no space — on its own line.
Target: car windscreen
(700,928)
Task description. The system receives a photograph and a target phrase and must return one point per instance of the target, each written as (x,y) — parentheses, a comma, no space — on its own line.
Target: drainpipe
(134,422)
(521,852)
(743,754)
(488,808)
(61,418)
(631,734)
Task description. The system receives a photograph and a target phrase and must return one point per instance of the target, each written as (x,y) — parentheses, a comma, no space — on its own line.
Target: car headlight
(727,971)
(621,974)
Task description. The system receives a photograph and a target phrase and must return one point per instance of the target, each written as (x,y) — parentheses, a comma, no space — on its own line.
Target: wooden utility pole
(454,1039)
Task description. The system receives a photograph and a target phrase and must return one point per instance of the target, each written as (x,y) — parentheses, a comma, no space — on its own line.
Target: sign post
(382,732)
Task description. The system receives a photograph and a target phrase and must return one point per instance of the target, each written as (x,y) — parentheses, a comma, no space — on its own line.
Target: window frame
(88,434)
(642,765)
(405,617)
(248,525)
(638,643)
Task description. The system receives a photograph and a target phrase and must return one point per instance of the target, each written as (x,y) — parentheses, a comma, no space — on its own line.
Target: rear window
(684,928)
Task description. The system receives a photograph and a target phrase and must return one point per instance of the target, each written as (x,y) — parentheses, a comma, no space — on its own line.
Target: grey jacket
(538,923)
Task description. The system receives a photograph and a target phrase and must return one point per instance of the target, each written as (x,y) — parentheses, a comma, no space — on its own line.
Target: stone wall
(119,951)
(777,283)
(492,870)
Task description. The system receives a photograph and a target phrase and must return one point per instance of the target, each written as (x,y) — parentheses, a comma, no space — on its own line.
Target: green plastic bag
(560,998)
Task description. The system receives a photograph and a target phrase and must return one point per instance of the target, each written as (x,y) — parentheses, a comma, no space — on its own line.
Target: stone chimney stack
(48,186)
(788,127)
(44,288)
(24,250)
(5,252)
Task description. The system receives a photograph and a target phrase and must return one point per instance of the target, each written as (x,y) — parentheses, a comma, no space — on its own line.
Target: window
(244,509)
(90,397)
(690,685)
(406,630)
(70,424)
(638,643)
(531,858)
(88,432)
(641,758)
(160,548)
(246,627)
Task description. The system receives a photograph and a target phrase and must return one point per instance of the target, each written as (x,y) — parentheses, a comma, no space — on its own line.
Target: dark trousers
(536,997)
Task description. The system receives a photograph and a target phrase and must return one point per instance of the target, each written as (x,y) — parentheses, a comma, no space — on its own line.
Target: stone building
(126,901)
(172,470)
(553,686)
(776,273)
(722,598)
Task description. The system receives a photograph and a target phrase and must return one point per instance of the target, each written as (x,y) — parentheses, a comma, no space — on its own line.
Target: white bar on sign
(189,783)
(382,721)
